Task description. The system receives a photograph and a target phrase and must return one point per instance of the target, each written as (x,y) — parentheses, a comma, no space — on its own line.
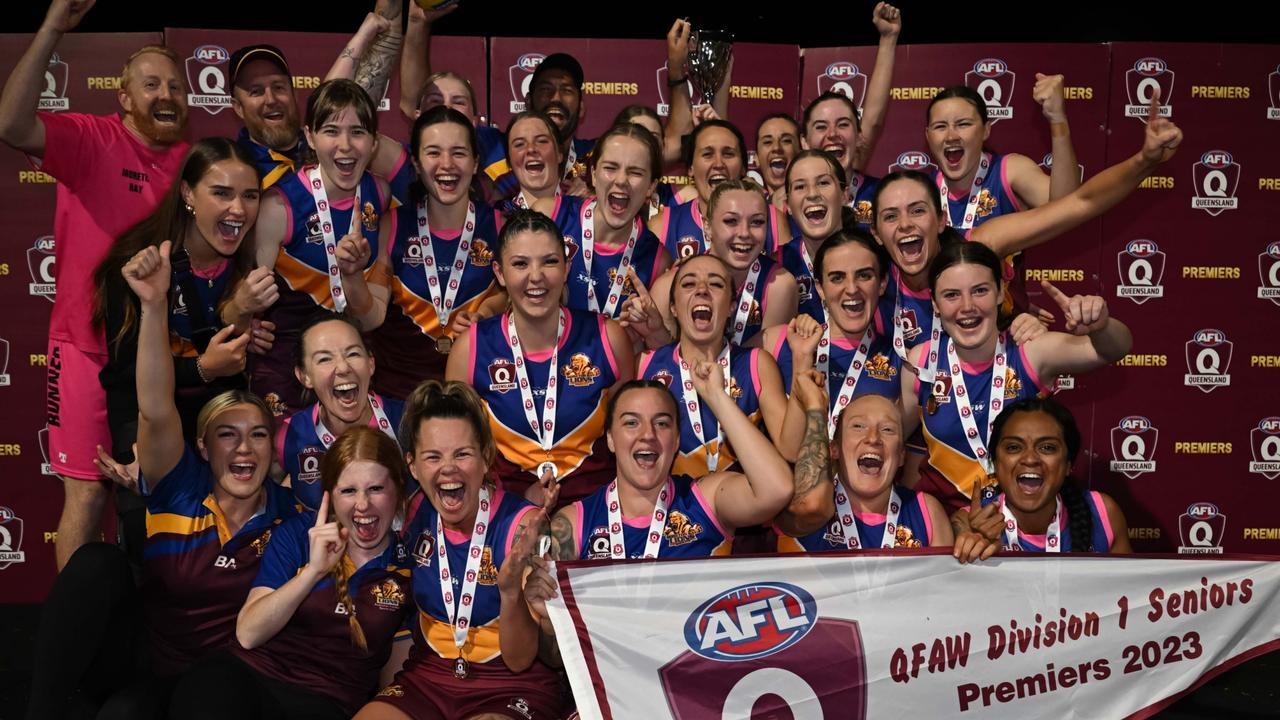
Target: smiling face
(338,369)
(559,97)
(955,134)
(237,444)
(738,227)
(702,295)
(776,144)
(532,269)
(623,180)
(344,147)
(814,196)
(446,162)
(365,501)
(832,127)
(907,224)
(534,154)
(263,98)
(1031,461)
(450,92)
(967,298)
(850,287)
(870,445)
(224,204)
(154,99)
(716,158)
(644,437)
(449,466)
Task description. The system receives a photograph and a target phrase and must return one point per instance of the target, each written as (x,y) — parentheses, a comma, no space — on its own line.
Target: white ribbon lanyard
(851,538)
(384,424)
(569,162)
(545,431)
(588,243)
(996,401)
(930,370)
(330,238)
(852,375)
(1052,537)
(975,191)
(694,408)
(744,302)
(854,187)
(443,300)
(460,612)
(617,544)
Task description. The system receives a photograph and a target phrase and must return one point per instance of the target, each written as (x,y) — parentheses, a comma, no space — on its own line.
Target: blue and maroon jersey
(299,450)
(587,370)
(195,573)
(861,202)
(1102,536)
(683,230)
(880,373)
(917,312)
(302,275)
(915,529)
(743,374)
(604,266)
(314,650)
(405,343)
(210,288)
(791,256)
(769,267)
(692,529)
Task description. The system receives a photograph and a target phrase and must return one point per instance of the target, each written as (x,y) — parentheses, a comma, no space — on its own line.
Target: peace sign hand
(1084,314)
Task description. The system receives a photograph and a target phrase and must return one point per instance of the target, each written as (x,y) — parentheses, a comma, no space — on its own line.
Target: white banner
(872,634)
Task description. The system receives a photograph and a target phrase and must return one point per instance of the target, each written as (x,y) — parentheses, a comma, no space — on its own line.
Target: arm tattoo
(813,469)
(374,70)
(562,537)
(347,52)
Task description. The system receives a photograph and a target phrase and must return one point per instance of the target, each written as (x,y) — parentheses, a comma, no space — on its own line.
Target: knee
(85,493)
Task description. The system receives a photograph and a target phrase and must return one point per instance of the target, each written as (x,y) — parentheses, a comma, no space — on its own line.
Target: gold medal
(444,344)
(461,668)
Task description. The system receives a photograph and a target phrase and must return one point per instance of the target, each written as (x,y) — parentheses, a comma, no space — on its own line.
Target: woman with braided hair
(333,590)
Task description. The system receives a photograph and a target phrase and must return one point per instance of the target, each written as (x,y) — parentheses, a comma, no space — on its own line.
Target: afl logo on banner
(1208,357)
(1141,266)
(1216,177)
(10,539)
(993,80)
(520,75)
(53,97)
(1201,529)
(1141,82)
(914,160)
(207,71)
(751,621)
(1133,446)
(1264,441)
(1269,273)
(845,78)
(40,262)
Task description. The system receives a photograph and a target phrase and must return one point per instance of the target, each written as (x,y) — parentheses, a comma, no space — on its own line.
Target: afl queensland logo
(520,75)
(1208,357)
(913,160)
(845,78)
(751,621)
(1264,443)
(993,80)
(207,71)
(1215,179)
(1269,273)
(1148,75)
(1141,267)
(1201,530)
(1133,446)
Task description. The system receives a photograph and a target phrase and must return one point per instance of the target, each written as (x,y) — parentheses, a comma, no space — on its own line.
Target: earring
(190,209)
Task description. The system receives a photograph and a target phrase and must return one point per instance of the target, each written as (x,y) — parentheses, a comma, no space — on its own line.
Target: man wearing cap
(556,89)
(111,171)
(262,97)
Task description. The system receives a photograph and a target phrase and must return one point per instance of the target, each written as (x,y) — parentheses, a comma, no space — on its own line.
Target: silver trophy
(710,52)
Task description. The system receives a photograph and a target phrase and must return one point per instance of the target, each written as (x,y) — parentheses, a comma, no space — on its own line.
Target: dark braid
(1079,518)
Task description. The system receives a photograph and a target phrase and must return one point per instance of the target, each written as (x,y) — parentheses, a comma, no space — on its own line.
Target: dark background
(826,23)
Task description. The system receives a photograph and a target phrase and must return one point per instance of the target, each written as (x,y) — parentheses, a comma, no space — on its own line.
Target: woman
(814,195)
(865,510)
(207,214)
(1035,443)
(765,293)
(607,241)
(210,512)
(449,89)
(533,151)
(909,223)
(335,367)
(326,231)
(980,368)
(850,351)
(777,142)
(474,642)
(543,370)
(295,656)
(442,257)
(664,193)
(702,303)
(717,153)
(977,185)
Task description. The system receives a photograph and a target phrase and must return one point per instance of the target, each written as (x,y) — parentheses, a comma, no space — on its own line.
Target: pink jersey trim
(471,352)
(515,523)
(664,226)
(870,518)
(577,527)
(1028,369)
(280,436)
(1102,515)
(645,359)
(755,370)
(782,340)
(604,340)
(928,518)
(1004,182)
(706,508)
(902,287)
(450,235)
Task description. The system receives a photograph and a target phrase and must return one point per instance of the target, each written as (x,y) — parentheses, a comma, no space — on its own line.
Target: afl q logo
(750,621)
(1208,357)
(1269,273)
(10,539)
(845,78)
(502,376)
(1264,442)
(40,262)
(1141,267)
(53,97)
(1201,529)
(913,160)
(1216,177)
(1133,446)
(520,76)
(1148,75)
(207,71)
(992,79)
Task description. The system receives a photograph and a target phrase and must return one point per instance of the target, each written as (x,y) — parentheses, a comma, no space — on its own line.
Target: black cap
(249,53)
(559,61)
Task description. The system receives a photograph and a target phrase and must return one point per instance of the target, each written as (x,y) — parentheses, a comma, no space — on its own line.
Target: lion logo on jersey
(1012,384)
(580,372)
(879,368)
(986,203)
(387,595)
(862,209)
(628,287)
(754,317)
(734,390)
(260,545)
(480,253)
(391,691)
(488,572)
(680,530)
(369,216)
(904,538)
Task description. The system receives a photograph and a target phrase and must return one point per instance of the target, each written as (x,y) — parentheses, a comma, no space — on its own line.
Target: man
(262,97)
(111,172)
(556,89)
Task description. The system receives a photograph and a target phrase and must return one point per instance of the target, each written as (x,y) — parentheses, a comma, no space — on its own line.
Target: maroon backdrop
(1186,261)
